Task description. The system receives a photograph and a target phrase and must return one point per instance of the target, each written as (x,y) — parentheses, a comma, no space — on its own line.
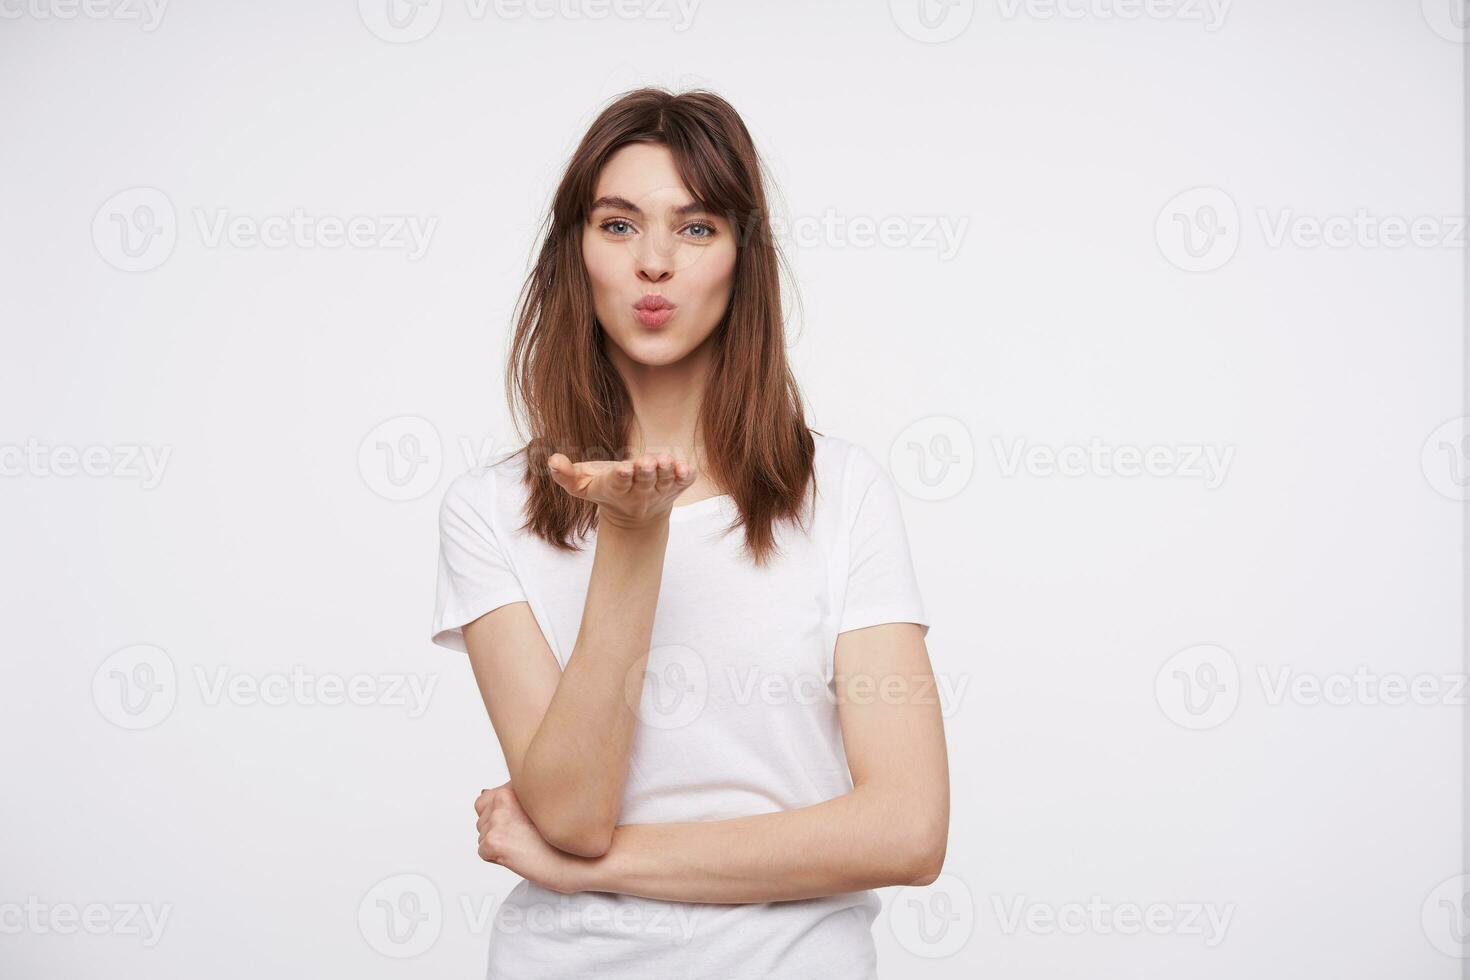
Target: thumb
(560,467)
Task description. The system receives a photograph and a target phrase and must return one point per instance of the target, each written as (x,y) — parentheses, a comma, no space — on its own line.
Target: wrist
(588,875)
(640,528)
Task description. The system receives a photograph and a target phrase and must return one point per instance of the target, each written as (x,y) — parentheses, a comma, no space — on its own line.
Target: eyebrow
(615,203)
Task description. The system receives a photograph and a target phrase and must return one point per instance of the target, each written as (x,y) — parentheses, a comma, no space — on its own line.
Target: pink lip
(653,311)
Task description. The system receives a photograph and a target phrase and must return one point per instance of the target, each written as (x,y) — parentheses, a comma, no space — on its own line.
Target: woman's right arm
(566,734)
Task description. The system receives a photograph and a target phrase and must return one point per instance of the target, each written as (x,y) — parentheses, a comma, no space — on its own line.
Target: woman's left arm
(890,829)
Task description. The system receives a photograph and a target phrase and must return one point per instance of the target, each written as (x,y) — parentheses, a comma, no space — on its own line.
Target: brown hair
(758,448)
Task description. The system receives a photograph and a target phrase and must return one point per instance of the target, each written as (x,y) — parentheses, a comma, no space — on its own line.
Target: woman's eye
(621,227)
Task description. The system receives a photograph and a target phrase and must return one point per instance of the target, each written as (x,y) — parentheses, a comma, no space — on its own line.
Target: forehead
(645,174)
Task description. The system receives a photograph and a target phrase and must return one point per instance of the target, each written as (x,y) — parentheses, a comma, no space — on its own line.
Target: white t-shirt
(738,714)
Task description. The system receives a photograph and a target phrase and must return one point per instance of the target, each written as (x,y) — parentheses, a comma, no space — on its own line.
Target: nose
(654,258)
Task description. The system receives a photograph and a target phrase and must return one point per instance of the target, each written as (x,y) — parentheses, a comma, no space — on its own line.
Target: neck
(666,400)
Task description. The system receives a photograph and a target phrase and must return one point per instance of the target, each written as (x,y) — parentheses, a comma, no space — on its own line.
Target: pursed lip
(652,303)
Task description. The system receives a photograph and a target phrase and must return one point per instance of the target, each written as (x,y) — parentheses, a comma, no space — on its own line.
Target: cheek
(606,269)
(600,260)
(716,274)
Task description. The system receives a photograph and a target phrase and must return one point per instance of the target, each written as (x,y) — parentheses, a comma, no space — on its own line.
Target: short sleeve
(881,584)
(475,576)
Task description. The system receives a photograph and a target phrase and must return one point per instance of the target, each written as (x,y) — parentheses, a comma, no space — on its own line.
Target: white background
(1057,140)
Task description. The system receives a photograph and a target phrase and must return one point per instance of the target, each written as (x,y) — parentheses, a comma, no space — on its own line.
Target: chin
(657,351)
(653,349)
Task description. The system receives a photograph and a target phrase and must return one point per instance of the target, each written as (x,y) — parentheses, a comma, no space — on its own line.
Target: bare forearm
(863,839)
(575,766)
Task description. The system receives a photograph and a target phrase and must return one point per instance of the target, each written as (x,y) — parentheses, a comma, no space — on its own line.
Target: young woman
(694,621)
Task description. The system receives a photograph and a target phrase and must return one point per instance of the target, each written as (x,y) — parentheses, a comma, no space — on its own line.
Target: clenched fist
(509,838)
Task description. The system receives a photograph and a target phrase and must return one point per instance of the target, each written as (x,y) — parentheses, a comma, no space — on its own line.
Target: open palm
(630,492)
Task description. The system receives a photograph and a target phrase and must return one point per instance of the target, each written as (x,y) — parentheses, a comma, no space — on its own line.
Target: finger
(621,477)
(645,474)
(564,472)
(483,801)
(665,478)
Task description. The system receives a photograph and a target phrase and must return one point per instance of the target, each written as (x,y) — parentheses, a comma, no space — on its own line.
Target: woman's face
(646,237)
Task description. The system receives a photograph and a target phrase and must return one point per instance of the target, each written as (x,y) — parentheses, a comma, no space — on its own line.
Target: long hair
(565,394)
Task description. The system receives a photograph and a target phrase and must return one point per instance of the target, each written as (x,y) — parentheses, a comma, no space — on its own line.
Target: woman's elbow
(927,869)
(581,838)
(925,853)
(569,825)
